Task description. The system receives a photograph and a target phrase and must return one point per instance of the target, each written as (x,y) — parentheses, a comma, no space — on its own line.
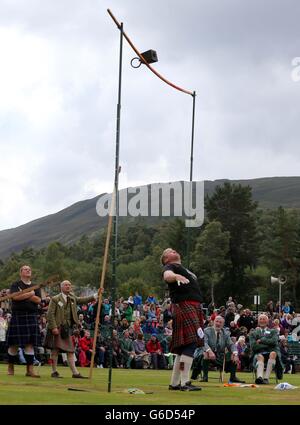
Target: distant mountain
(69,224)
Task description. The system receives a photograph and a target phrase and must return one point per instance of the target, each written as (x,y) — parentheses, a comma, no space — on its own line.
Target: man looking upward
(187,318)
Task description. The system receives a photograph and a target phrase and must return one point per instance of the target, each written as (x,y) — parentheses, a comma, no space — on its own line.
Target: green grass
(22,390)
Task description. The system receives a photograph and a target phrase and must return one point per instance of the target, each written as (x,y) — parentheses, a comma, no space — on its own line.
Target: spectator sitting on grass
(157,357)
(106,320)
(151,299)
(243,353)
(229,315)
(234,330)
(287,360)
(160,327)
(279,328)
(222,312)
(137,326)
(75,340)
(131,333)
(127,311)
(82,325)
(286,307)
(213,315)
(286,322)
(117,357)
(137,302)
(167,314)
(152,312)
(270,308)
(148,328)
(246,319)
(140,351)
(145,310)
(106,307)
(169,328)
(101,348)
(127,349)
(85,349)
(124,324)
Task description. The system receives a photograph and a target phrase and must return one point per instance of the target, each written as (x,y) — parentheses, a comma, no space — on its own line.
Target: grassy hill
(69,224)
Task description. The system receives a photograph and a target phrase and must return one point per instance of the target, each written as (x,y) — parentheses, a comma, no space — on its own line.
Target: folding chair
(197,368)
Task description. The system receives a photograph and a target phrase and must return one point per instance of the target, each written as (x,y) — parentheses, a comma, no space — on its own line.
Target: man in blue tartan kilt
(187,318)
(23,330)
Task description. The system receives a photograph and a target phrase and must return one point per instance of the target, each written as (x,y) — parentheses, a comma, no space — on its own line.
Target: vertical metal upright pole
(116,212)
(279,298)
(188,248)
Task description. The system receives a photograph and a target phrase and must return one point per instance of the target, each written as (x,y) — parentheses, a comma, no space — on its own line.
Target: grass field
(22,390)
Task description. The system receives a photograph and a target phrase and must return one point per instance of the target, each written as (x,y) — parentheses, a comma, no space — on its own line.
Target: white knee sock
(185,368)
(71,362)
(175,378)
(260,369)
(270,364)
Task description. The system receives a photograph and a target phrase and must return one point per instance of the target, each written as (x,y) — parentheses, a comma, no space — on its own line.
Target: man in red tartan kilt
(187,318)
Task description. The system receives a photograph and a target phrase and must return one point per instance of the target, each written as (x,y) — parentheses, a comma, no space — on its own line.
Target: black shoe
(189,387)
(194,376)
(259,380)
(55,375)
(174,387)
(234,379)
(204,379)
(79,376)
(266,381)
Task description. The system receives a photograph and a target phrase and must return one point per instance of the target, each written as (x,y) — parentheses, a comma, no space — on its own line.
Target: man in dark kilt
(23,328)
(62,316)
(187,318)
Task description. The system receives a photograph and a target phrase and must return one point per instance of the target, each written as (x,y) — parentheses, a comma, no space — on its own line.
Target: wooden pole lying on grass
(103,274)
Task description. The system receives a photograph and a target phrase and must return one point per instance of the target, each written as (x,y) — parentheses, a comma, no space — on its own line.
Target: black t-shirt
(24,305)
(183,292)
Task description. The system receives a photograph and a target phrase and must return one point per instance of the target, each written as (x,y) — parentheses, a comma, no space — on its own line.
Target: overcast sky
(58,95)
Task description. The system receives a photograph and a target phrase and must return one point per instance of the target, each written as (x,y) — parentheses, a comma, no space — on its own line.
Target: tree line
(233,253)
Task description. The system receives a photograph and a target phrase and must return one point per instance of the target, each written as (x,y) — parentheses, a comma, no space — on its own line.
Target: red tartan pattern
(187,319)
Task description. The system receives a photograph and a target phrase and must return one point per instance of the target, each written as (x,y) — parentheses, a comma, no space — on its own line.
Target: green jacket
(127,313)
(56,309)
(269,341)
(126,345)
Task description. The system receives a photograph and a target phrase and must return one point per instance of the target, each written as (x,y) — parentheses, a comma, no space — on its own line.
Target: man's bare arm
(35,299)
(21,297)
(170,277)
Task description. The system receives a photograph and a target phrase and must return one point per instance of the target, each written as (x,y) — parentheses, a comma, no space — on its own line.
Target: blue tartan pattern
(187,319)
(24,329)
